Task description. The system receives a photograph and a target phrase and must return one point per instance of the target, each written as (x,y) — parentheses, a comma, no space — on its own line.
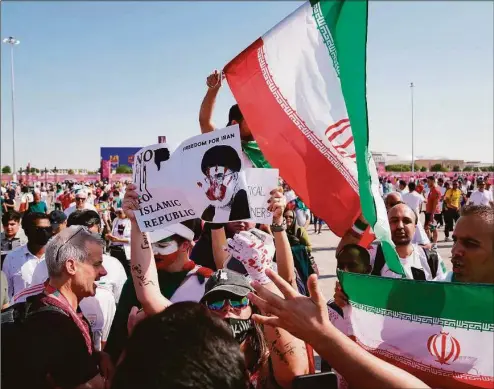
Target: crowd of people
(90,301)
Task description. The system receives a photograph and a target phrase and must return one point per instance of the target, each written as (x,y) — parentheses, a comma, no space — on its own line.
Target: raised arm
(354,234)
(307,318)
(284,256)
(218,243)
(255,250)
(207,106)
(142,264)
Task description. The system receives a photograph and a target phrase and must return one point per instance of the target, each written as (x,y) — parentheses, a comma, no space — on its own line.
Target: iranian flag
(302,89)
(442,333)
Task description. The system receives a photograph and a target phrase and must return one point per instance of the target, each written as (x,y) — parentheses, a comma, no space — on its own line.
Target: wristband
(359,227)
(278,227)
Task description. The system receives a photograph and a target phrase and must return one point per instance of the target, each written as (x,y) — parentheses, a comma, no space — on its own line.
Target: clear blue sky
(121,73)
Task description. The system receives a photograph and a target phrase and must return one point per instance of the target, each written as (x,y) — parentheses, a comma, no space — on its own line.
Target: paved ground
(324,246)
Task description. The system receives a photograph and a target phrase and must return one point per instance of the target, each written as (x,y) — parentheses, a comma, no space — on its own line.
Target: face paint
(240,328)
(165,255)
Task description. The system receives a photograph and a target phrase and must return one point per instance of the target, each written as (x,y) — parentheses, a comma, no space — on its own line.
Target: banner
(105,170)
(302,89)
(203,178)
(440,332)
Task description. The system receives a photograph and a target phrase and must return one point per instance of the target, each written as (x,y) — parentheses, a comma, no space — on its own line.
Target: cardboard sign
(203,178)
(260,182)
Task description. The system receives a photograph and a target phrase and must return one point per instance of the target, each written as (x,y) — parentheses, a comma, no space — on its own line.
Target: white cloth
(443,191)
(72,208)
(414,200)
(115,277)
(19,267)
(420,237)
(121,230)
(99,311)
(417,259)
(480,198)
(191,289)
(444,277)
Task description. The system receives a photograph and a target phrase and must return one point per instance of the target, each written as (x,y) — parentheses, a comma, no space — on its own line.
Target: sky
(93,74)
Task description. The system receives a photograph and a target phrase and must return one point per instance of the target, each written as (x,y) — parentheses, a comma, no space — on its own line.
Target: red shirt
(65,200)
(434,195)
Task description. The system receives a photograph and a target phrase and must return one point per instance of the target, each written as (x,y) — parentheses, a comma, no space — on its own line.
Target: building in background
(118,155)
(448,164)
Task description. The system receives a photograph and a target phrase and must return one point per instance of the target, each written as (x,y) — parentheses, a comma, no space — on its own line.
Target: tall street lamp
(12,42)
(413,154)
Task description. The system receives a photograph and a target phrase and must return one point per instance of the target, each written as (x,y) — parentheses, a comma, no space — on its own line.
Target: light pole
(413,155)
(12,42)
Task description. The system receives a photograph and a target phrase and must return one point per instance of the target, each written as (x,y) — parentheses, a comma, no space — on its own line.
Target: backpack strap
(432,260)
(379,261)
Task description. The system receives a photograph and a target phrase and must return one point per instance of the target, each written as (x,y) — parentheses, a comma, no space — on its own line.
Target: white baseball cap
(174,229)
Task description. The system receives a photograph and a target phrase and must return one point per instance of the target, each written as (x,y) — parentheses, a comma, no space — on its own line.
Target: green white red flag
(441,332)
(302,89)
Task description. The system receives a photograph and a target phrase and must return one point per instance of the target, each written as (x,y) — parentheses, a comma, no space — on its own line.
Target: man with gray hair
(80,202)
(56,347)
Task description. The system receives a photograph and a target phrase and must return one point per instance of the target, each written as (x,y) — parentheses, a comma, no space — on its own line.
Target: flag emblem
(444,348)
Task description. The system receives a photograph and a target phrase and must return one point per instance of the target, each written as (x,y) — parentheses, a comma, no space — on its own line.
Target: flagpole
(413,155)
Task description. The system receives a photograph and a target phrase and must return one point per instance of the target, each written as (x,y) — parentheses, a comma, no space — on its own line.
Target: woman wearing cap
(273,356)
(177,277)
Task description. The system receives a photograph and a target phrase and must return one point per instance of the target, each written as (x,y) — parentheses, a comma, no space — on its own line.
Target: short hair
(355,250)
(84,217)
(30,218)
(10,215)
(431,178)
(403,182)
(70,243)
(411,186)
(484,212)
(410,208)
(234,114)
(185,346)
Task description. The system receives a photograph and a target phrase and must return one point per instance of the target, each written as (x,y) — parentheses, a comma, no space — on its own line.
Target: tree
(487,169)
(456,168)
(423,169)
(6,169)
(468,169)
(437,167)
(70,171)
(124,169)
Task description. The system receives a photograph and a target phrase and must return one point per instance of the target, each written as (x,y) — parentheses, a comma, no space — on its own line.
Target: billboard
(118,155)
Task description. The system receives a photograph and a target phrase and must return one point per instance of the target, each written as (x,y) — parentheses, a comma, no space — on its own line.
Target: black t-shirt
(55,346)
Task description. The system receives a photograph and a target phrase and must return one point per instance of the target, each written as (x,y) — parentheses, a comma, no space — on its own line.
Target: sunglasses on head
(239,303)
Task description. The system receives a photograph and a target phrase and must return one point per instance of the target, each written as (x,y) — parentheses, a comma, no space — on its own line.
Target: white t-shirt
(19,267)
(443,191)
(420,236)
(72,208)
(115,278)
(413,200)
(480,198)
(99,311)
(121,230)
(417,260)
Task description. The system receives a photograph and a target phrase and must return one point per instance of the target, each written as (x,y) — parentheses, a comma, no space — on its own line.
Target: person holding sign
(225,291)
(167,252)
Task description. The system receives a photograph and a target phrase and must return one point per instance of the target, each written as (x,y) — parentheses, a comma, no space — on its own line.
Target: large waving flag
(441,332)
(302,89)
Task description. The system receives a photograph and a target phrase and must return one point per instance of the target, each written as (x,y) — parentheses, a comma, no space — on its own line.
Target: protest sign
(212,176)
(158,207)
(260,182)
(204,178)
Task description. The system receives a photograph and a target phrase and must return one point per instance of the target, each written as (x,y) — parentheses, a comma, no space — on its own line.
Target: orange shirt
(434,195)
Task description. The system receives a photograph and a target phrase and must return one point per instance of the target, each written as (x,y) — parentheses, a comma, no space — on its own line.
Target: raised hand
(255,249)
(304,317)
(277,205)
(213,81)
(130,202)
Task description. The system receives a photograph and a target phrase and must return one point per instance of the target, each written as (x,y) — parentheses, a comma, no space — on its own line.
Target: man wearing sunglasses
(80,202)
(20,264)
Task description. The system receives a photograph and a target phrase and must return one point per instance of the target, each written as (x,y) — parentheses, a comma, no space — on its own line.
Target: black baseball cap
(57,217)
(226,280)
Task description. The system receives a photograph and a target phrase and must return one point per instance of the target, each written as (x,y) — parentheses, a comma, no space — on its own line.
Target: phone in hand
(326,380)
